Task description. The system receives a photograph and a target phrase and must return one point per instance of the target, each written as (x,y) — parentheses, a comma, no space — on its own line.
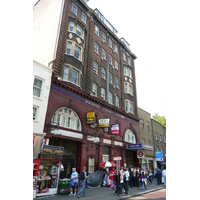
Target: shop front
(47,169)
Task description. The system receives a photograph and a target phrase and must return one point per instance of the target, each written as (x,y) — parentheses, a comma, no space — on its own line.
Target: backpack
(82,176)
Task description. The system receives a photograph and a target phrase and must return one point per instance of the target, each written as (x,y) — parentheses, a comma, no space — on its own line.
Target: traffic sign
(117,158)
(140,154)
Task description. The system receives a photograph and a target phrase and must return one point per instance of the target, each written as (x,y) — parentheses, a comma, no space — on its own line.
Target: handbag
(72,183)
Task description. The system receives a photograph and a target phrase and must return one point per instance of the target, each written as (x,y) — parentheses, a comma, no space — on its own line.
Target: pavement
(106,193)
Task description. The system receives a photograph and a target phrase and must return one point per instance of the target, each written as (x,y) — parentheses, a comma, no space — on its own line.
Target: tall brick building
(92,109)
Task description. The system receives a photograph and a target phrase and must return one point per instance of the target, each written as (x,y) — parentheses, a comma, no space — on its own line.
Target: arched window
(67,118)
(130,136)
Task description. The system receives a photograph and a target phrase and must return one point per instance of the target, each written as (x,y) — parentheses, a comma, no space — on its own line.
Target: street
(106,193)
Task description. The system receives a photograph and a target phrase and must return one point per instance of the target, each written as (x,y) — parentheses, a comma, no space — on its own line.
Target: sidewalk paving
(106,193)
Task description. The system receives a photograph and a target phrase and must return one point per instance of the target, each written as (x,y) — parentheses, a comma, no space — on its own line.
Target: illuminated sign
(103,123)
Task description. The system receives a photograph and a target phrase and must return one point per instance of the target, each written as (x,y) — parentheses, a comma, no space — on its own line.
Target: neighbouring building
(159,135)
(41,88)
(146,139)
(92,108)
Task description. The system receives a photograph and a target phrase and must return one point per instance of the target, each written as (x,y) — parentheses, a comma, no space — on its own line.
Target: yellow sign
(90,117)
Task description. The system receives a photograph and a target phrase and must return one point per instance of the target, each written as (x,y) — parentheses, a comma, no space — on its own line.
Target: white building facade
(41,88)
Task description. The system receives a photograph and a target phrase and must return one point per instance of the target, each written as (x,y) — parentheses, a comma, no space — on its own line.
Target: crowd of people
(120,180)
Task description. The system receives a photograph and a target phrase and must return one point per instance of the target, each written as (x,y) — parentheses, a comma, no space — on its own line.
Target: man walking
(74,180)
(83,177)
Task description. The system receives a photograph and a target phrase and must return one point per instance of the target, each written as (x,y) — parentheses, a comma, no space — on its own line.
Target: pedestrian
(83,177)
(150,176)
(137,179)
(126,180)
(144,179)
(131,177)
(134,173)
(122,177)
(74,181)
(147,176)
(117,182)
(158,176)
(164,176)
(112,177)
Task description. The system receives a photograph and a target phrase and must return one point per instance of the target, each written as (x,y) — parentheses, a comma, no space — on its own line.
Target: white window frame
(128,88)
(110,43)
(148,128)
(103,93)
(103,73)
(79,30)
(124,56)
(160,138)
(110,59)
(96,30)
(77,50)
(110,98)
(103,37)
(116,65)
(71,25)
(37,87)
(110,77)
(117,101)
(96,47)
(83,17)
(70,49)
(75,78)
(95,67)
(129,61)
(36,112)
(127,72)
(65,74)
(157,149)
(128,107)
(116,48)
(74,9)
(94,89)
(103,54)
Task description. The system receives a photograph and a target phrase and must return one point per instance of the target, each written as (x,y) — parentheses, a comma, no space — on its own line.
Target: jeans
(143,185)
(164,177)
(83,188)
(150,179)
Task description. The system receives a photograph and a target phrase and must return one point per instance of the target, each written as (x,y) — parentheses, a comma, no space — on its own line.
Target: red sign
(115,129)
(140,154)
(33,140)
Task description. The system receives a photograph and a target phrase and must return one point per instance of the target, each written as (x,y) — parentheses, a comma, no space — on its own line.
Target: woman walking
(122,177)
(144,179)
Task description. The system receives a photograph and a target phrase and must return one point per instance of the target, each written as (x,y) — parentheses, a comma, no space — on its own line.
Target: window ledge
(38,98)
(97,53)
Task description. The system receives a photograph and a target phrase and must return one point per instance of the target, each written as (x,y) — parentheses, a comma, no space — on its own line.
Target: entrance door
(131,158)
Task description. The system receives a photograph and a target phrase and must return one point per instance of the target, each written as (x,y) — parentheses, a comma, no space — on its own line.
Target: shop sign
(148,147)
(90,117)
(118,143)
(140,154)
(115,129)
(134,146)
(106,141)
(117,158)
(159,155)
(103,123)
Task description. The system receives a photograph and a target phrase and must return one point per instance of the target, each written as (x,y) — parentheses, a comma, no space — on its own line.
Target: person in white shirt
(126,173)
(164,176)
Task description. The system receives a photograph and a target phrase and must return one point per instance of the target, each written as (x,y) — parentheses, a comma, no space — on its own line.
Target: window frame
(103,34)
(110,43)
(96,30)
(37,87)
(127,109)
(124,56)
(116,85)
(95,68)
(96,47)
(110,77)
(116,47)
(66,67)
(128,88)
(77,31)
(103,73)
(75,52)
(156,136)
(68,48)
(103,93)
(74,8)
(36,113)
(76,78)
(117,65)
(85,18)
(103,54)
(160,138)
(141,123)
(110,100)
(117,101)
(71,22)
(94,89)
(129,60)
(110,59)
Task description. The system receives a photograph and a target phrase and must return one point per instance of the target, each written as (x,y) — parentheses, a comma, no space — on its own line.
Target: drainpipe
(107,81)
